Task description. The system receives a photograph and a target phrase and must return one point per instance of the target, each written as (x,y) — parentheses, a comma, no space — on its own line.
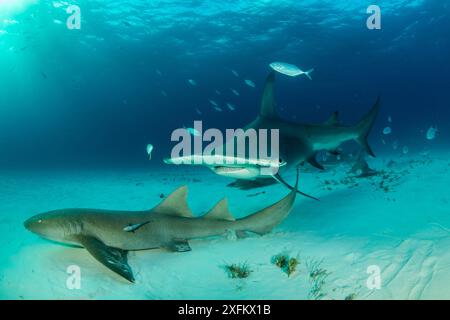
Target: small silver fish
(250,83)
(193,132)
(235,73)
(431,133)
(235,92)
(149,151)
(290,69)
(230,106)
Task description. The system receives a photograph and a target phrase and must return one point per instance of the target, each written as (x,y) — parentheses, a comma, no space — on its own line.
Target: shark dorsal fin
(268,100)
(333,120)
(175,204)
(220,211)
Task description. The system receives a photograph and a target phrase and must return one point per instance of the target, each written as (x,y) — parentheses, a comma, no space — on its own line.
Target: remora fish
(238,168)
(109,235)
(234,167)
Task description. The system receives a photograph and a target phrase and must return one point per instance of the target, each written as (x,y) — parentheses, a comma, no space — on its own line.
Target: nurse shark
(108,235)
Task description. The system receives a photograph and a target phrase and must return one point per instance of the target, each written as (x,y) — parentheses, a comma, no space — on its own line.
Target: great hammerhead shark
(301,142)
(298,142)
(109,235)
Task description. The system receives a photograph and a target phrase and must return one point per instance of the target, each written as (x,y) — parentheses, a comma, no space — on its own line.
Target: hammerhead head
(109,235)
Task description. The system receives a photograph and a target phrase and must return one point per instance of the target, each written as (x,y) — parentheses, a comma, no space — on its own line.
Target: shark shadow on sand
(361,168)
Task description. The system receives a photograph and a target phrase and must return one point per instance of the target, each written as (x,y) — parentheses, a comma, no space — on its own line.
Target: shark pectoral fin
(313,161)
(113,258)
(178,245)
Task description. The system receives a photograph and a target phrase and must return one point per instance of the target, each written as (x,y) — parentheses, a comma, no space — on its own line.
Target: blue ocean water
(78,108)
(100,94)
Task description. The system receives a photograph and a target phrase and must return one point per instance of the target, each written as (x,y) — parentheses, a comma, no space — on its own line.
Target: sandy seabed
(398,221)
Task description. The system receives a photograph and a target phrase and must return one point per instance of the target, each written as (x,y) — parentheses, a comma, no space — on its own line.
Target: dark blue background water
(93,96)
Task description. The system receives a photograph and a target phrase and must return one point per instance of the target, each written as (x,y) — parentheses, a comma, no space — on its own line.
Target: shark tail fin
(365,125)
(263,221)
(308,73)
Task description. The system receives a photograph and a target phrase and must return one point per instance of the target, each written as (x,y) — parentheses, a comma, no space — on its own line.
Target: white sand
(404,231)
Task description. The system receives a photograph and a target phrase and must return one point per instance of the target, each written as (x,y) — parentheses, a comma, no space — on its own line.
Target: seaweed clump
(351,296)
(238,270)
(287,264)
(317,277)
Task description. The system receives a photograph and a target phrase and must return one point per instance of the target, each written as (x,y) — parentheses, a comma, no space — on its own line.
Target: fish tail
(308,73)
